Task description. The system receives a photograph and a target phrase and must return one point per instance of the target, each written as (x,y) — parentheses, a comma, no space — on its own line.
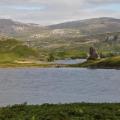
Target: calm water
(58,85)
(70,61)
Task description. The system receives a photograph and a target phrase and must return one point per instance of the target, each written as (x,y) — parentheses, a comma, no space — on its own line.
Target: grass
(71,54)
(76,47)
(111,62)
(19,65)
(75,111)
(11,49)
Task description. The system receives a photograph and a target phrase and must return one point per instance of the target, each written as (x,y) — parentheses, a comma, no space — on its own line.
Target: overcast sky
(46,12)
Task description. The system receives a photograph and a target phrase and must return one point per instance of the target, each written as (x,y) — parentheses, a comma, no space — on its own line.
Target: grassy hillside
(67,40)
(77,47)
(11,50)
(26,31)
(90,26)
(61,112)
(64,36)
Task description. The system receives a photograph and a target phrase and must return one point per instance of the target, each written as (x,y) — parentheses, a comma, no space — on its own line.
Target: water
(58,85)
(70,61)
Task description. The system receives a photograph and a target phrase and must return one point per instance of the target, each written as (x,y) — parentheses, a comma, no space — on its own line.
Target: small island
(95,61)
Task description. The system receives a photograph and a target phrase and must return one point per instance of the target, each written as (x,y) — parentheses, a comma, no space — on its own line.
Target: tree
(51,57)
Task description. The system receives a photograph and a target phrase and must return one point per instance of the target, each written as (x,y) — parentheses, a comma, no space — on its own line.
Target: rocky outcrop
(93,54)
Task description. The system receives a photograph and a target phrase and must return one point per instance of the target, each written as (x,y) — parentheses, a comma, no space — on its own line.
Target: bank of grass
(21,64)
(110,62)
(75,111)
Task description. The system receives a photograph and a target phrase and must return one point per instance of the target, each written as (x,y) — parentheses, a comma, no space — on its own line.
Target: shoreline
(105,63)
(55,66)
(14,65)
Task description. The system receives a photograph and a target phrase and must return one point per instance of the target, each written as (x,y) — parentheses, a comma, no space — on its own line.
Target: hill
(11,50)
(10,28)
(91,26)
(66,40)
(79,28)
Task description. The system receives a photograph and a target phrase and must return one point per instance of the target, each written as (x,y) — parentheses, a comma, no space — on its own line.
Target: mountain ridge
(32,31)
(87,26)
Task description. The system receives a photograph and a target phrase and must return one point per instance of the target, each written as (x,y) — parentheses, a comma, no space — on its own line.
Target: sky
(46,12)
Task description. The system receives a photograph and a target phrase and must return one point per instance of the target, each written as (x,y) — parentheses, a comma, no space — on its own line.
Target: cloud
(55,11)
(56,2)
(102,1)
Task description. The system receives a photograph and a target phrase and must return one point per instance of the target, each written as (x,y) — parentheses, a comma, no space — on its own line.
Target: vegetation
(77,46)
(111,62)
(76,111)
(67,40)
(63,54)
(14,52)
(11,50)
(19,65)
(51,58)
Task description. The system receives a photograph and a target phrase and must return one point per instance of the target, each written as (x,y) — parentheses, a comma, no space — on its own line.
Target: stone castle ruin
(93,54)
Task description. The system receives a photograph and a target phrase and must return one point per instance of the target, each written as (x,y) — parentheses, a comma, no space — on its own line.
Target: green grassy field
(76,111)
(11,49)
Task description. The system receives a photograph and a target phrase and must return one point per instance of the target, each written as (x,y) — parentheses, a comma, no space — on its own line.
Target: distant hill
(65,40)
(26,31)
(12,28)
(91,26)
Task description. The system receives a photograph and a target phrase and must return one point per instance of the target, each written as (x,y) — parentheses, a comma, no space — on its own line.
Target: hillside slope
(91,26)
(67,40)
(25,31)
(11,50)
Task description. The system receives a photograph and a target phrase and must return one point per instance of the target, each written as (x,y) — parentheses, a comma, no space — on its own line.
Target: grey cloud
(103,1)
(58,2)
(57,10)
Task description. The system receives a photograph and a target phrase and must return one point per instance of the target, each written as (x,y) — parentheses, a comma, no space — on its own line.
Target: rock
(93,54)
